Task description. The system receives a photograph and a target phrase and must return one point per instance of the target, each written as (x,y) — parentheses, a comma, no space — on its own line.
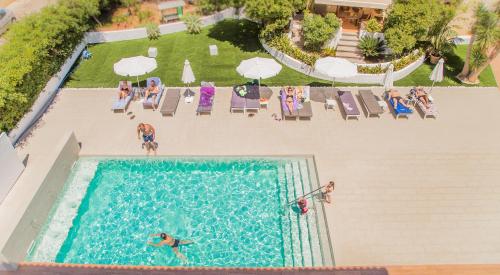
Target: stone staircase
(348,47)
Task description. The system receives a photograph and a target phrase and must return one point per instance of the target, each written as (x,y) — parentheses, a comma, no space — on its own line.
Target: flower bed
(399,64)
(283,44)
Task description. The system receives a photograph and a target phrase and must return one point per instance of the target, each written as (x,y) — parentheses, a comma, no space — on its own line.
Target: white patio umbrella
(135,66)
(335,67)
(389,78)
(259,68)
(437,74)
(187,77)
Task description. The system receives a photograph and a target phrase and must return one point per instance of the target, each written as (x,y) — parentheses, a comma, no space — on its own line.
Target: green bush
(37,47)
(328,52)
(371,69)
(371,46)
(317,30)
(284,45)
(153,31)
(373,25)
(143,15)
(193,23)
(210,6)
(333,21)
(120,19)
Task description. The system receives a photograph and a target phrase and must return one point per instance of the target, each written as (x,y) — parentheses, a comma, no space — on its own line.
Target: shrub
(193,23)
(143,15)
(333,21)
(128,4)
(329,52)
(283,44)
(119,19)
(371,46)
(210,6)
(316,31)
(399,41)
(371,69)
(153,31)
(274,29)
(373,25)
(36,48)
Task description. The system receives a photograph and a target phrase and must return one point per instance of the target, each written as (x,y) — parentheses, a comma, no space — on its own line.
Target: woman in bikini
(289,99)
(124,90)
(422,97)
(172,242)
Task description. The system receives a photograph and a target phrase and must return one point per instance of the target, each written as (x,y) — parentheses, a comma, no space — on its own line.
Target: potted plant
(440,40)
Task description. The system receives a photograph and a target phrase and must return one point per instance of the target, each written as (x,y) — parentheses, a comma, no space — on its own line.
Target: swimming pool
(234,209)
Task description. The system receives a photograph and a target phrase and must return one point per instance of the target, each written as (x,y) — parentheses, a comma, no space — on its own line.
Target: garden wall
(10,166)
(359,78)
(130,34)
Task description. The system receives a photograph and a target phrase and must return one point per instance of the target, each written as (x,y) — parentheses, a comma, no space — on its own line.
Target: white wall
(10,166)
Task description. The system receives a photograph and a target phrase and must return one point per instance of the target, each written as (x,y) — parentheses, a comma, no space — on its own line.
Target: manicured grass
(236,41)
(453,65)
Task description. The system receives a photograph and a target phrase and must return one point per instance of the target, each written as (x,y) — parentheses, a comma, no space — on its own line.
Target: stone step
(349,55)
(348,43)
(352,49)
(349,38)
(350,34)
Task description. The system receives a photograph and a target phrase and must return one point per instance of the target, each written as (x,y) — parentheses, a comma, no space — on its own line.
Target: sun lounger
(171,101)
(252,98)
(122,104)
(348,104)
(371,104)
(237,102)
(427,112)
(285,111)
(400,110)
(205,105)
(304,109)
(148,102)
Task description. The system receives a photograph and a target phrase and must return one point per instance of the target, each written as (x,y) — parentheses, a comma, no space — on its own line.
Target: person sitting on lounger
(422,97)
(300,95)
(289,98)
(148,135)
(172,242)
(124,90)
(152,91)
(397,98)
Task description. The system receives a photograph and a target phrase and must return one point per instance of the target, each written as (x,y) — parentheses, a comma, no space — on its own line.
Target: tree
(268,11)
(486,42)
(317,30)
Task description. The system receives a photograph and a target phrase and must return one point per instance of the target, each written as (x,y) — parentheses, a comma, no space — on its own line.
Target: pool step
(294,218)
(285,219)
(302,219)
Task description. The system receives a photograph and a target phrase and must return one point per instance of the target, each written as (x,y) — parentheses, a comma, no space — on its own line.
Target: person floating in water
(302,203)
(172,242)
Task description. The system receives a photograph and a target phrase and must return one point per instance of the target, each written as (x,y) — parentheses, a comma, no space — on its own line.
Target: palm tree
(479,11)
(486,42)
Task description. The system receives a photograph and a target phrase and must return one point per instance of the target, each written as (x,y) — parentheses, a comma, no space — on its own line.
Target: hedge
(36,48)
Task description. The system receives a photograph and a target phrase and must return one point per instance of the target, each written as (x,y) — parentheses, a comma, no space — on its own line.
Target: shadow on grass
(243,34)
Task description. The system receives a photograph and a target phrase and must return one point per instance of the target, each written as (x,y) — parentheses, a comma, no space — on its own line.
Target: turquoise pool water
(234,210)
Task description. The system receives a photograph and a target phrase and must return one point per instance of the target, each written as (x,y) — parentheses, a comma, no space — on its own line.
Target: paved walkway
(408,191)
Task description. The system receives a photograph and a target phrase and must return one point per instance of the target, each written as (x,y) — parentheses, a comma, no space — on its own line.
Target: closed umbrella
(187,77)
(135,66)
(389,78)
(259,68)
(437,74)
(335,67)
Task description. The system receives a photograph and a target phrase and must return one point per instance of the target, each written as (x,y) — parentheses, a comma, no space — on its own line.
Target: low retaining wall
(10,166)
(359,78)
(130,34)
(36,213)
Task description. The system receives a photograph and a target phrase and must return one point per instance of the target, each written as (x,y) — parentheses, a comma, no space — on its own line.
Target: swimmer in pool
(172,242)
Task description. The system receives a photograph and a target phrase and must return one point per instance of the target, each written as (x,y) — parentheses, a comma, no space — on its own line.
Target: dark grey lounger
(169,106)
(370,102)
(348,104)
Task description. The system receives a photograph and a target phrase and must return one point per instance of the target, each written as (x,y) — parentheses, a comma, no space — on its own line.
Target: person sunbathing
(300,95)
(289,98)
(397,98)
(422,97)
(124,90)
(152,91)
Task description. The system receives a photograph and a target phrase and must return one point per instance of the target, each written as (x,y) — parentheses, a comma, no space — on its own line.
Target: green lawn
(236,40)
(453,65)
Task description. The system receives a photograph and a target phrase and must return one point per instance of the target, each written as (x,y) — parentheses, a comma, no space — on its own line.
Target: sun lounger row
(295,101)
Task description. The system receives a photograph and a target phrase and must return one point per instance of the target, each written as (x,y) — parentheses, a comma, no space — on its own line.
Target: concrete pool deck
(408,192)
